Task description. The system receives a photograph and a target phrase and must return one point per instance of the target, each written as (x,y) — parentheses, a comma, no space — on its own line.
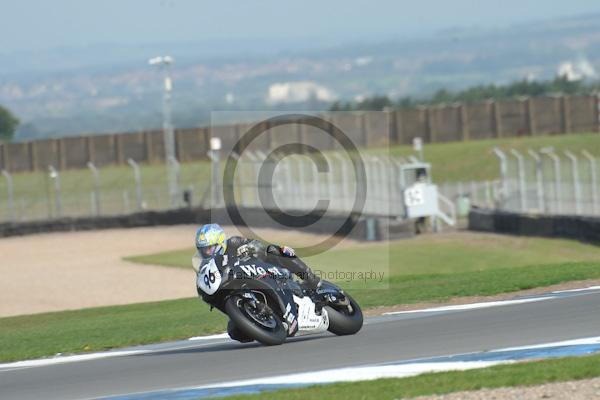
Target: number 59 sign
(414,196)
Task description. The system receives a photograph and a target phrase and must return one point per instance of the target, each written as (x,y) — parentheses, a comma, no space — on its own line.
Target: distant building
(575,71)
(298,92)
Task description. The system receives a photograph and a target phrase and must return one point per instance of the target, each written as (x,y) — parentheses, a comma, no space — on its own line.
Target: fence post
(11,195)
(503,171)
(345,192)
(474,196)
(62,154)
(497,115)
(175,178)
(253,166)
(362,127)
(179,145)
(596,100)
(522,183)
(96,195)
(594,182)
(557,178)
(425,116)
(33,160)
(566,113)
(91,151)
(2,156)
(125,202)
(148,147)
(530,110)
(488,194)
(299,191)
(6,156)
(57,192)
(139,197)
(119,150)
(539,179)
(575,176)
(464,122)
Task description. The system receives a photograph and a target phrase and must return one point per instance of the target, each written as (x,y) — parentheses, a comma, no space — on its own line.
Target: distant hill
(111,88)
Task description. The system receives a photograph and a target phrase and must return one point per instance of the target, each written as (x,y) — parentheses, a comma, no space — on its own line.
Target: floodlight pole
(592,161)
(164,63)
(539,179)
(575,176)
(522,184)
(215,155)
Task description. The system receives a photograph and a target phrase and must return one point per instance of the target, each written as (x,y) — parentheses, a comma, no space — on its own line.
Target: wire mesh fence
(107,191)
(373,186)
(548,182)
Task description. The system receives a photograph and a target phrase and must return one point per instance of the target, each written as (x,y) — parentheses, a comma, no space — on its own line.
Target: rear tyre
(265,327)
(343,321)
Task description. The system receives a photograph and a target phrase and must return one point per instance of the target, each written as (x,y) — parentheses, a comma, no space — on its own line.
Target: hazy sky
(39,24)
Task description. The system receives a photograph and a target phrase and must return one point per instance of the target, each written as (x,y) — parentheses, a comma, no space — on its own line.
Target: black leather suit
(273,254)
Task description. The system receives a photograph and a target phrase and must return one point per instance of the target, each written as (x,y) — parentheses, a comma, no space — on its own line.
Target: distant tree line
(8,124)
(473,94)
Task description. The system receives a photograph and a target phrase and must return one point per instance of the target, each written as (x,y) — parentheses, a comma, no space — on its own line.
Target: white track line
(574,342)
(66,359)
(218,336)
(473,306)
(577,290)
(352,374)
(371,372)
(59,359)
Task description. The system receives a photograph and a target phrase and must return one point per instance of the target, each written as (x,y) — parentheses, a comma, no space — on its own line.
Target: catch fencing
(99,192)
(548,181)
(371,185)
(534,181)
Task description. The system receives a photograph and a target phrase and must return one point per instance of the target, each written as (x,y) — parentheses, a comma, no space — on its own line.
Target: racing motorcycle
(265,303)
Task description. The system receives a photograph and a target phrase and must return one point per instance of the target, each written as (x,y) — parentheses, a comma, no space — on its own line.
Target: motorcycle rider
(211,240)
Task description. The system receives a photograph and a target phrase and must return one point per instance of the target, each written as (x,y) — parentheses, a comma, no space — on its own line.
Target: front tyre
(262,325)
(235,334)
(345,320)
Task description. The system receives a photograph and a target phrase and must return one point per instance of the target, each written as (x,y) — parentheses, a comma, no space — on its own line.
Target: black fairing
(245,274)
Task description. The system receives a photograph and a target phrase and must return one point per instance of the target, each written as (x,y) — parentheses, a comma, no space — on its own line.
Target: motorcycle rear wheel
(271,333)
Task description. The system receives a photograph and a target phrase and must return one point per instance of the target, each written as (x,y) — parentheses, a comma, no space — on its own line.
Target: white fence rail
(548,182)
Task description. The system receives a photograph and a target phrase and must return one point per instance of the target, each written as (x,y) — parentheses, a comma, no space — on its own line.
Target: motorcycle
(265,303)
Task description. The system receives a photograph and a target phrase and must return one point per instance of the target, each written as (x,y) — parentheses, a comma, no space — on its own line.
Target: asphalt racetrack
(389,338)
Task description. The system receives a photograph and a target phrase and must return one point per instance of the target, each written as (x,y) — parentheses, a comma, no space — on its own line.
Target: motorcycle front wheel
(257,322)
(346,320)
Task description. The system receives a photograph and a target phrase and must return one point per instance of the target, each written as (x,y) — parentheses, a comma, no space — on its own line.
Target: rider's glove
(288,251)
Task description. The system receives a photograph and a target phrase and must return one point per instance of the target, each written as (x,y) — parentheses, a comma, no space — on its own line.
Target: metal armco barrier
(586,229)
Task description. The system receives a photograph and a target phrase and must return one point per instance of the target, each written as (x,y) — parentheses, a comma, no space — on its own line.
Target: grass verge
(430,254)
(522,374)
(94,329)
